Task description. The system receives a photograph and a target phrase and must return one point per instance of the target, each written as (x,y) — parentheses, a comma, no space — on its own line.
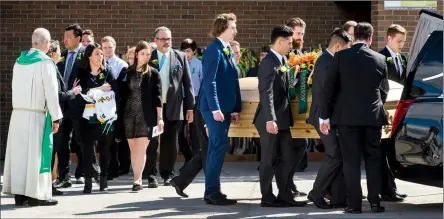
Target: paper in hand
(156,131)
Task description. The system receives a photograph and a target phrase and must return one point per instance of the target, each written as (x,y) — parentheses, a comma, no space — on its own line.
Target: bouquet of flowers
(301,68)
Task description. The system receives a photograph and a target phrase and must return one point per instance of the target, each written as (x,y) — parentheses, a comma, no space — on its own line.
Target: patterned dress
(135,125)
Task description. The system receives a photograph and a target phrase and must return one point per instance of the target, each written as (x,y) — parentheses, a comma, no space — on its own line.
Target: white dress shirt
(116,64)
(398,65)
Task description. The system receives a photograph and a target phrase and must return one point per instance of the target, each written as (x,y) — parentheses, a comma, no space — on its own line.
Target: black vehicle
(417,127)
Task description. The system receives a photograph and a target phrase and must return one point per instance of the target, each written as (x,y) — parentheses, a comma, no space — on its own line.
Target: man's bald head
(40,39)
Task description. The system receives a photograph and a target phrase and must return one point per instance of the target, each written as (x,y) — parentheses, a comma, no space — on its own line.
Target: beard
(297,44)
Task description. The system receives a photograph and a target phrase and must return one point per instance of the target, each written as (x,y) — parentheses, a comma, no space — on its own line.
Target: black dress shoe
(65,183)
(377,208)
(297,193)
(179,190)
(319,202)
(36,202)
(391,198)
(152,183)
(401,195)
(167,182)
(296,203)
(353,210)
(20,200)
(56,192)
(218,199)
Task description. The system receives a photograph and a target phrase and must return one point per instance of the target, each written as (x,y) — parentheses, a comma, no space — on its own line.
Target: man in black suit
(177,92)
(67,139)
(330,172)
(355,89)
(298,25)
(273,120)
(396,65)
(396,62)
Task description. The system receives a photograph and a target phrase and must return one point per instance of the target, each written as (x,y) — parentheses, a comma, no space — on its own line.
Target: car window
(429,72)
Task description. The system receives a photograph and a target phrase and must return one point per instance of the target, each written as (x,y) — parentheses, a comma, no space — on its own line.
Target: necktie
(162,61)
(398,66)
(68,68)
(283,61)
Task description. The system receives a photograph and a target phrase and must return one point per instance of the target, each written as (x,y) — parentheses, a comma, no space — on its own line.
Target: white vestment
(34,92)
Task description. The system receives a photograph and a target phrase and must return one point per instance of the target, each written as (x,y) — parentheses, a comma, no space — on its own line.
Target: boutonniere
(390,59)
(101,76)
(79,56)
(62,59)
(283,69)
(176,68)
(404,64)
(155,61)
(226,51)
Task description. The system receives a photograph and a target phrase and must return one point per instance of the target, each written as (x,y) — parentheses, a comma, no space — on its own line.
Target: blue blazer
(220,83)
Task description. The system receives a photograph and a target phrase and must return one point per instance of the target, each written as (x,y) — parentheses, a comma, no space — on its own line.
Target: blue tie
(68,67)
(162,61)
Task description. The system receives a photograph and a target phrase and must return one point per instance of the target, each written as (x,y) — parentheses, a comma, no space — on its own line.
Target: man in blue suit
(220,102)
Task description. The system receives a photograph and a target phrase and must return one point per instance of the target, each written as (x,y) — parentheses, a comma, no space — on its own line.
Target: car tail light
(401,110)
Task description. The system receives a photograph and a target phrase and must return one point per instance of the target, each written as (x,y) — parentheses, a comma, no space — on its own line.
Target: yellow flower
(62,60)
(101,76)
(283,69)
(226,51)
(291,54)
(303,65)
(155,61)
(311,67)
(389,59)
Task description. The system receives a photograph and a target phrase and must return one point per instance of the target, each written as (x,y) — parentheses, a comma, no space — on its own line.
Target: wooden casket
(250,100)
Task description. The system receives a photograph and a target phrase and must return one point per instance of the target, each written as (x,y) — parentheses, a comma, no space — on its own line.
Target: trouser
(90,134)
(197,163)
(355,141)
(168,150)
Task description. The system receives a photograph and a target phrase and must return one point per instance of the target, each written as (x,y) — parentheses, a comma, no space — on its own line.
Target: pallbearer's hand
(235,118)
(218,116)
(272,127)
(325,128)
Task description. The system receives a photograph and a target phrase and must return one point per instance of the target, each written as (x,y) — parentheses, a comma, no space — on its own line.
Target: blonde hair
(108,39)
(131,51)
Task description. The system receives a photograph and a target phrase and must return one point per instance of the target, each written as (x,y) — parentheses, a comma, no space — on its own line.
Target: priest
(35,117)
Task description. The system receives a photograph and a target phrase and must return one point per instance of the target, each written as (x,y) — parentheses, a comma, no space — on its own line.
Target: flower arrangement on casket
(301,69)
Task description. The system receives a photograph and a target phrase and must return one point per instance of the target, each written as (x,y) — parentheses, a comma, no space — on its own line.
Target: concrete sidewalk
(240,181)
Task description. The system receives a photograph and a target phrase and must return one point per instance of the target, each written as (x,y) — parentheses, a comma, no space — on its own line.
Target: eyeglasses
(164,39)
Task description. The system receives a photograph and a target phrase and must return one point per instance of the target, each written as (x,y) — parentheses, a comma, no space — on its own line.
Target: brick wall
(129,22)
(382,19)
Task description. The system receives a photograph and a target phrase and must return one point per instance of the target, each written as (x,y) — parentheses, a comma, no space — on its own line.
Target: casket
(250,100)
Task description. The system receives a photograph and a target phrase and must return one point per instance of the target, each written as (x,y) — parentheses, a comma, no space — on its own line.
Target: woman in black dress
(141,92)
(93,76)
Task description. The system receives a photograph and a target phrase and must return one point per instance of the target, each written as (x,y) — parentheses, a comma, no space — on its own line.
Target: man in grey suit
(330,172)
(273,119)
(177,92)
(355,89)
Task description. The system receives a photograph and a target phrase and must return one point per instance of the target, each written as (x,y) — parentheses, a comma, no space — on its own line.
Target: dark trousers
(185,144)
(277,159)
(300,153)
(168,150)
(355,141)
(388,185)
(217,148)
(329,175)
(197,163)
(90,134)
(65,140)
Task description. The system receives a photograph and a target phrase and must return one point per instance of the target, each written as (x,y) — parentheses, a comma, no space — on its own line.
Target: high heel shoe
(87,189)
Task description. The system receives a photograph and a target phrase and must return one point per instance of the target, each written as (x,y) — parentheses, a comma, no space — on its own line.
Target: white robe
(34,91)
